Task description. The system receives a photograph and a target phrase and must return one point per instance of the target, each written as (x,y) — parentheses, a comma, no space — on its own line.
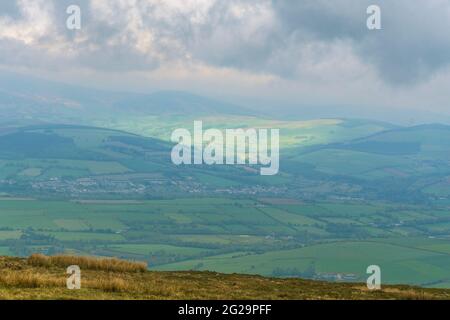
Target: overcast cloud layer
(305,52)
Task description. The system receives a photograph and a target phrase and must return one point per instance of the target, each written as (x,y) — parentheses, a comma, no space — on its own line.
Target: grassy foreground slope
(41,277)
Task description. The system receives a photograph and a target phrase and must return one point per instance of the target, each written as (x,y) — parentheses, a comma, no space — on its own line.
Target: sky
(281,54)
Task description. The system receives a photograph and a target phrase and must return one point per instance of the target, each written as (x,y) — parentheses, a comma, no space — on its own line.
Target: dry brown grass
(410,294)
(87,263)
(29,279)
(112,284)
(41,277)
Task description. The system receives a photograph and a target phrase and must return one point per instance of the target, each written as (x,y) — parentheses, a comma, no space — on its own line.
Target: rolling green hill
(42,160)
(405,162)
(108,192)
(65,153)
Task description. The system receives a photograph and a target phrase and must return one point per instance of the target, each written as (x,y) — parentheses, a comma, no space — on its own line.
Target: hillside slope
(32,100)
(41,277)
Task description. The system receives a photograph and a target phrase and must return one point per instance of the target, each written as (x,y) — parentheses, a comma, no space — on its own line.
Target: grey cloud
(9,8)
(259,36)
(323,18)
(413,44)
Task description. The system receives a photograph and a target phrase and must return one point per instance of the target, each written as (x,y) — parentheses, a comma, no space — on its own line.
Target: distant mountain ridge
(26,98)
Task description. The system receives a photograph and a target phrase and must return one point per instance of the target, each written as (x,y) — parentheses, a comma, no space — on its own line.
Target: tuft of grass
(112,284)
(88,263)
(29,279)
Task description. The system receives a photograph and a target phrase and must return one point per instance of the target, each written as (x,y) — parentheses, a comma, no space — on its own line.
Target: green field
(321,240)
(349,194)
(400,264)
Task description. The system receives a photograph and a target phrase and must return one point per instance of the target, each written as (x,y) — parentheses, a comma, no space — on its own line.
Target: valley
(350,193)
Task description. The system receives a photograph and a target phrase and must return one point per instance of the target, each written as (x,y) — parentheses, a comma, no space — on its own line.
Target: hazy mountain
(24,98)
